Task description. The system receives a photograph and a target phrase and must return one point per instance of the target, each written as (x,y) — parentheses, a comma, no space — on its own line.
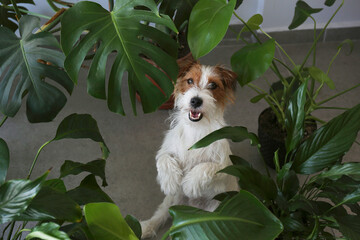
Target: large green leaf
(349,226)
(251,180)
(208,23)
(16,195)
(242,217)
(122,31)
(24,64)
(302,12)
(236,134)
(81,126)
(96,167)
(4,160)
(8,15)
(328,143)
(51,204)
(88,192)
(295,117)
(47,231)
(252,61)
(106,222)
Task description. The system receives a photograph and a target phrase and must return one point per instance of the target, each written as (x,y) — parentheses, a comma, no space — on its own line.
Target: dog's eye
(190,81)
(212,85)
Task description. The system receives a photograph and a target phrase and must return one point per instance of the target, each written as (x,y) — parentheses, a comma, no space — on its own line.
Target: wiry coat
(186,176)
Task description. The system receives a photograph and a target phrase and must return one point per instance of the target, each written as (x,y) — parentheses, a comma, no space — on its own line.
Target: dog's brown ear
(185,64)
(228,78)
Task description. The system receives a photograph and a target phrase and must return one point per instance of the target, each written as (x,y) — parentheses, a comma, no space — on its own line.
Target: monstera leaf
(8,15)
(140,51)
(24,64)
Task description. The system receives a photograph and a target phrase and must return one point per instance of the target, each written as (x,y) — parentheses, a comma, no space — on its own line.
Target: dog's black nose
(196,102)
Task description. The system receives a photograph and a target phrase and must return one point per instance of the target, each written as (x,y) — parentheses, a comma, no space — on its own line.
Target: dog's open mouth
(195,116)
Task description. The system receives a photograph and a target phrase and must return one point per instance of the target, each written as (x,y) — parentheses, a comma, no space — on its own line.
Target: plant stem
(285,66)
(245,24)
(340,93)
(53,21)
(314,53)
(66,4)
(320,34)
(36,158)
(3,120)
(111,5)
(4,230)
(53,6)
(332,60)
(279,46)
(17,11)
(18,234)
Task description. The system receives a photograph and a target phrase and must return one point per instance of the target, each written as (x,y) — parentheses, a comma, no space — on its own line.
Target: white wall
(279,13)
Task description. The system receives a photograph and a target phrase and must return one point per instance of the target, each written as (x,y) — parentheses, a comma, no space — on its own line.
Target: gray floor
(133,141)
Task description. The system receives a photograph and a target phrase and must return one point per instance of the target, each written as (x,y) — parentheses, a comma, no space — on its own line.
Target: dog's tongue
(195,114)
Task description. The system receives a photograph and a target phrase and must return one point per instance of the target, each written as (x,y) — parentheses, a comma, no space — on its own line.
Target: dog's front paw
(169,175)
(148,230)
(194,184)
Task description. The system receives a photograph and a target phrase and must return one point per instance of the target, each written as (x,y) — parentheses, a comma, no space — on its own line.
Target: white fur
(190,176)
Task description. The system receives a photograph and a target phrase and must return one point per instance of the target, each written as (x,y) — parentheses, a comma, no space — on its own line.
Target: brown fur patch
(228,78)
(193,72)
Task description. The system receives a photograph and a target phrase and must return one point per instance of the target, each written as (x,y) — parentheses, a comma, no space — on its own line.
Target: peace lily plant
(144,37)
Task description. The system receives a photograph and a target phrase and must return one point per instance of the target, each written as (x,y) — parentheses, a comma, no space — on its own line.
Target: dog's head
(203,91)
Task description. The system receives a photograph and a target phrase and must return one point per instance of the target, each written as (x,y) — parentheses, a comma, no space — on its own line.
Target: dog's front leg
(204,181)
(169,174)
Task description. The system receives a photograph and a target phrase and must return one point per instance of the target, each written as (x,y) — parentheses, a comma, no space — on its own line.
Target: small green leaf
(88,192)
(81,126)
(321,77)
(242,217)
(208,23)
(236,134)
(106,222)
(4,160)
(47,231)
(253,23)
(327,144)
(348,42)
(252,61)
(329,3)
(96,167)
(295,117)
(16,195)
(258,98)
(134,225)
(302,12)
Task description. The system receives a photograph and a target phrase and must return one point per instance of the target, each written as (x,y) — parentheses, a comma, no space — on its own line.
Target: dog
(189,177)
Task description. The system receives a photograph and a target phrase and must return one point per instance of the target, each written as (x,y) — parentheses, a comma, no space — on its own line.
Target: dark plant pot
(272,137)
